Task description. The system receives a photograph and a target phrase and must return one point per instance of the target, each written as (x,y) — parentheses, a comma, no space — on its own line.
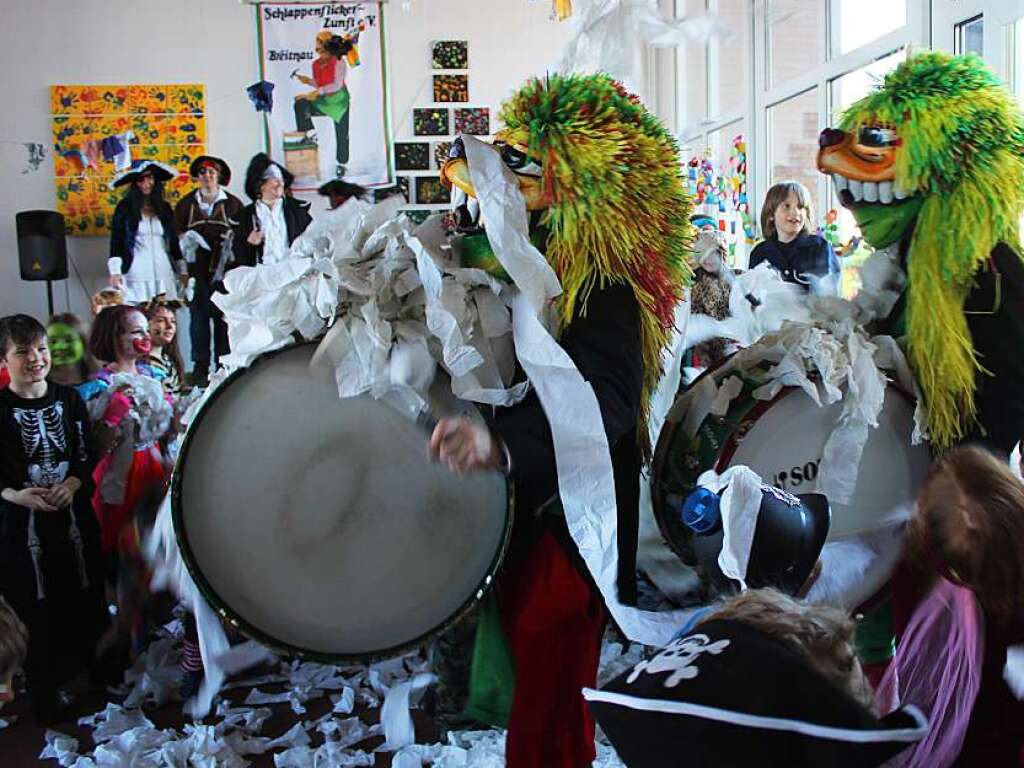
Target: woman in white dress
(145,259)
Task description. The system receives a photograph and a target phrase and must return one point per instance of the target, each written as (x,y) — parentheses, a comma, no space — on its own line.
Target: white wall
(44,42)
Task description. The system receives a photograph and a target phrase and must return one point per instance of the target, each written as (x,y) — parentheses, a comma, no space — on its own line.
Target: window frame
(759,98)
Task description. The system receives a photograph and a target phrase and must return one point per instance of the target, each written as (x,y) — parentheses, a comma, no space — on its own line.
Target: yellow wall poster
(98,129)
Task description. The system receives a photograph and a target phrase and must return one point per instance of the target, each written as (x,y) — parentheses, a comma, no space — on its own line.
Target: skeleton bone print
(44,443)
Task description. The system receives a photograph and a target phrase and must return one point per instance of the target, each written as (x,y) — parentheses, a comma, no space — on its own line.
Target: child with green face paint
(72,363)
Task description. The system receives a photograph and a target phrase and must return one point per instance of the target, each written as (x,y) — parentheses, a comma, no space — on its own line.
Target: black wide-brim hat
(223,169)
(254,174)
(160,171)
(729,694)
(790,533)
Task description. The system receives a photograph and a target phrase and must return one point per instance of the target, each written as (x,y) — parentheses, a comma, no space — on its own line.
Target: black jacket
(296,219)
(605,346)
(995,317)
(994,309)
(123,230)
(797,260)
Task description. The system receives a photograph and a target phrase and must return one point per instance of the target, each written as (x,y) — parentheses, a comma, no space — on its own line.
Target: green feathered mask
(959,163)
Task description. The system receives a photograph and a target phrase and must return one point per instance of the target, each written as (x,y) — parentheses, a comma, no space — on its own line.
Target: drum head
(783,441)
(319,526)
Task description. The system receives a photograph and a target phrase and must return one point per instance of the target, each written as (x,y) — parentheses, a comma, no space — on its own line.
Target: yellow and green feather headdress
(619,209)
(962,151)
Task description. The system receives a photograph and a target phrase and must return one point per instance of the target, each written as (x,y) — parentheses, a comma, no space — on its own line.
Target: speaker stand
(49,298)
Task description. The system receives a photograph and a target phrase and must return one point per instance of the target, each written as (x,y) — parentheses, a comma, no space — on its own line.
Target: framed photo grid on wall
(435,127)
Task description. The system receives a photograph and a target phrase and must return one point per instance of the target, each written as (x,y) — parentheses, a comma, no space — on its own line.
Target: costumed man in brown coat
(205,220)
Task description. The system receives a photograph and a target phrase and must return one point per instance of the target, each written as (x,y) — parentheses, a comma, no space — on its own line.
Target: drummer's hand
(463,445)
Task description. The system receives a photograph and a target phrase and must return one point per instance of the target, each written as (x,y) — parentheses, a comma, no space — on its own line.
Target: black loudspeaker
(42,250)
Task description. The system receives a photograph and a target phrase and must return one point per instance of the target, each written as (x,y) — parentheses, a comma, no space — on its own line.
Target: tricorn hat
(160,171)
(223,169)
(729,693)
(259,168)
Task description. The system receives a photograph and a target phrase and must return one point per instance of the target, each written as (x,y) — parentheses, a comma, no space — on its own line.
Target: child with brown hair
(50,568)
(959,607)
(790,247)
(764,680)
(821,635)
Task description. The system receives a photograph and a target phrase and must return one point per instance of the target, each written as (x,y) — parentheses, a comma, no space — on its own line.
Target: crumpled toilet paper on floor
(233,734)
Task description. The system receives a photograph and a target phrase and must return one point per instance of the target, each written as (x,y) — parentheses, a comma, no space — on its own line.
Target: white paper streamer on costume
(585,480)
(740,506)
(608,33)
(889,356)
(169,572)
(189,243)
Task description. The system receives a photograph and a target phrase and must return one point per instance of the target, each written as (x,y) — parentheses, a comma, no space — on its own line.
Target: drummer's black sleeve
(605,346)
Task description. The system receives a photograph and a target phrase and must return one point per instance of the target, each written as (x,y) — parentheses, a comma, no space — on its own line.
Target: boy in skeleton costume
(50,568)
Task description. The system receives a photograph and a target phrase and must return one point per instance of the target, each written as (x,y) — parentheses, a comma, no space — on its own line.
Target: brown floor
(21,743)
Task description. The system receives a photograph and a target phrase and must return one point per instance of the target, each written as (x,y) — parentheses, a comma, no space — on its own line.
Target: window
(786,72)
(843,91)
(969,36)
(1014,61)
(730,206)
(794,35)
(793,143)
(730,59)
(847,89)
(858,22)
(691,77)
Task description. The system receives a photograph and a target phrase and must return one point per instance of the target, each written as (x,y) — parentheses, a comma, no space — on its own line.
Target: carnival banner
(329,118)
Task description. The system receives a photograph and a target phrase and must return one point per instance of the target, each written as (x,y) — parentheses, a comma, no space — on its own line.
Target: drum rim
(730,445)
(225,611)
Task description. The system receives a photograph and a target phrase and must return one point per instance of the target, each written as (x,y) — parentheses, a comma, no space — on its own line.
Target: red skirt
(145,475)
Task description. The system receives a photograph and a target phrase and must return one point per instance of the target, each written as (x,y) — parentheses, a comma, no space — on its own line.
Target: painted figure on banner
(328,120)
(329,96)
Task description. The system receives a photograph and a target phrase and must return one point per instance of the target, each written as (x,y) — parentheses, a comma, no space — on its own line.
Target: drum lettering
(796,476)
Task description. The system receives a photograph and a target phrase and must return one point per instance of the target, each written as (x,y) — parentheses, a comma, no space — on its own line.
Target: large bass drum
(782,440)
(317,524)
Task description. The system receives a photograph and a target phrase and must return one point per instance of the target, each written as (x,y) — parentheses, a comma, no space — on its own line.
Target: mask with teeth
(602,180)
(935,157)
